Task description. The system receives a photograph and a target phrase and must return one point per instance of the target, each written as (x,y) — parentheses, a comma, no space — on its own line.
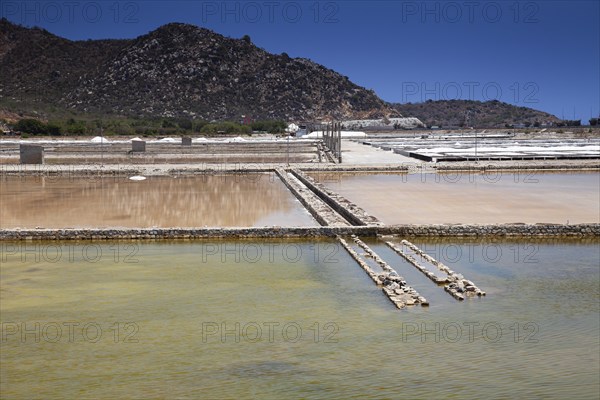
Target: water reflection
(487,198)
(211,200)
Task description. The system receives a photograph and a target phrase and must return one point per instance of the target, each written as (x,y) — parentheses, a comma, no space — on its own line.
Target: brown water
(145,320)
(215,200)
(493,197)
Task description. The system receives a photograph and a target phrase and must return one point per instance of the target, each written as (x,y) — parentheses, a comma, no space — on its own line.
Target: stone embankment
(432,231)
(454,283)
(350,211)
(493,230)
(320,210)
(175,152)
(327,156)
(393,285)
(166,169)
(328,208)
(97,234)
(372,274)
(513,166)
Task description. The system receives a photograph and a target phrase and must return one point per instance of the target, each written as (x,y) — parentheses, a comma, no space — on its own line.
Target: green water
(145,320)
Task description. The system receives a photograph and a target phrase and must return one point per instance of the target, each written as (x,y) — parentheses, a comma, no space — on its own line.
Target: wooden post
(332,139)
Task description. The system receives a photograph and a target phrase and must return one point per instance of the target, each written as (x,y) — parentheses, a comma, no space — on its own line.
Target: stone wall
(492,231)
(350,211)
(514,166)
(128,169)
(319,213)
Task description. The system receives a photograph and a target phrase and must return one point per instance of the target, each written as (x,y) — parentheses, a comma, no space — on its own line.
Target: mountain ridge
(177,70)
(461,113)
(184,71)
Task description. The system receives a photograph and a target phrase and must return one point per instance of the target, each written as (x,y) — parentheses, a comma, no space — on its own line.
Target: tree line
(145,127)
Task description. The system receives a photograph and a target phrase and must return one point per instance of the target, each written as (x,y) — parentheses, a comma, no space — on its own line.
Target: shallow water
(147,322)
(211,200)
(488,198)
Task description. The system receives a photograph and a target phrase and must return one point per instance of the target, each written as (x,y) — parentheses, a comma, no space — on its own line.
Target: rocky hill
(184,71)
(490,114)
(177,70)
(39,68)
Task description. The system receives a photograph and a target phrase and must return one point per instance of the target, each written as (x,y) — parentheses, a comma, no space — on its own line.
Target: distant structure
(292,129)
(4,129)
(306,127)
(362,125)
(302,130)
(382,124)
(246,120)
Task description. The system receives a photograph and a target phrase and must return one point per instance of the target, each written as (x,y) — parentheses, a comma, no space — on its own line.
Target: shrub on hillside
(35,127)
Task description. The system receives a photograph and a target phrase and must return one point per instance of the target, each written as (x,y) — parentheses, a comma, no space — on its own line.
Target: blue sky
(539,54)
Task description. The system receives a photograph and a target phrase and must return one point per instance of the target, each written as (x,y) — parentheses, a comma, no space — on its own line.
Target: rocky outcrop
(489,114)
(178,70)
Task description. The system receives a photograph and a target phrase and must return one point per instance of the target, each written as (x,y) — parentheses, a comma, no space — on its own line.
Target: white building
(385,124)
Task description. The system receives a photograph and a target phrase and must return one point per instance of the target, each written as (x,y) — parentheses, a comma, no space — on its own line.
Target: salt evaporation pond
(485,198)
(145,320)
(211,200)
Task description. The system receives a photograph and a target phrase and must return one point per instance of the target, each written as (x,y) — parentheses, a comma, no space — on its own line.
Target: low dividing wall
(509,230)
(320,211)
(499,230)
(350,211)
(393,285)
(516,167)
(128,169)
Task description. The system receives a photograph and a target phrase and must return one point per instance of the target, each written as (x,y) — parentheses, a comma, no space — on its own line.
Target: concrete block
(138,146)
(31,154)
(186,141)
